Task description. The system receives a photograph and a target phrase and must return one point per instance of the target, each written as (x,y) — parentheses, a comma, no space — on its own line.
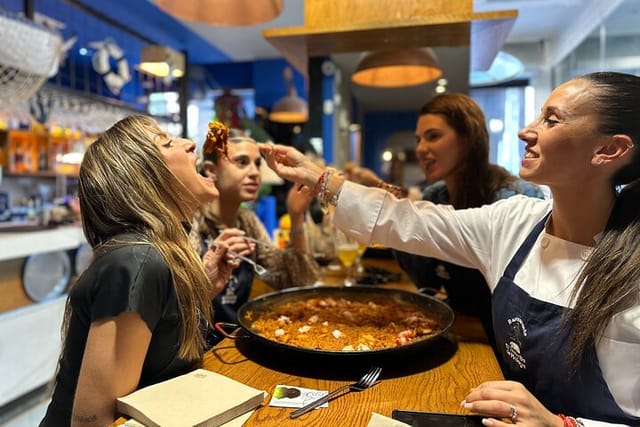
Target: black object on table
(377,276)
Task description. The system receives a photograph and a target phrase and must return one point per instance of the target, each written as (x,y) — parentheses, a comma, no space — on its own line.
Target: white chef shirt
(486,238)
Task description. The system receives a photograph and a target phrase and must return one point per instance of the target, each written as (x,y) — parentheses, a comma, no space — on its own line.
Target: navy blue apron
(235,293)
(533,346)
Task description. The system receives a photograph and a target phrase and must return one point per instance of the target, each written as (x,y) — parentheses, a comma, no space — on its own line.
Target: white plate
(46,275)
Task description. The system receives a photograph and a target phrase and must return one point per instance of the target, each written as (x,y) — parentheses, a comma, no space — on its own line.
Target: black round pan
(254,309)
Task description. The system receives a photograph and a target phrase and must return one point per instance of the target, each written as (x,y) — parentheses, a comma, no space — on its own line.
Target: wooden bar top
(435,380)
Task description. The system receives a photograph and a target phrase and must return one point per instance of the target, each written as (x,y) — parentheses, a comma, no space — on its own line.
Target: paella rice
(340,324)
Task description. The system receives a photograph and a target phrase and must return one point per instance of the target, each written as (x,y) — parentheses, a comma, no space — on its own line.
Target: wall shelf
(44,174)
(22,244)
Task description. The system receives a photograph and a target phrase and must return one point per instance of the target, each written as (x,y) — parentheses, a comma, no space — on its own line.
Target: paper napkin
(287,396)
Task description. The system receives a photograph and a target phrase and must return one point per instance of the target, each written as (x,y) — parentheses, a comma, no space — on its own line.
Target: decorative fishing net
(29,53)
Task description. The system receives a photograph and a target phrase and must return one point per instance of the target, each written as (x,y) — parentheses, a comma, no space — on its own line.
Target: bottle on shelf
(18,159)
(43,161)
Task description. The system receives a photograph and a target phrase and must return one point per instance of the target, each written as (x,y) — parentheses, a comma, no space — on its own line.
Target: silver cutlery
(256,241)
(251,239)
(260,270)
(369,379)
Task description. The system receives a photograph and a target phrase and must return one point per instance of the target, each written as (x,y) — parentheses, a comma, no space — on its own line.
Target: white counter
(22,244)
(30,346)
(30,335)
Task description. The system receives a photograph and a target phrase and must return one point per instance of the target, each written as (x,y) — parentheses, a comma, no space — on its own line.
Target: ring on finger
(513,412)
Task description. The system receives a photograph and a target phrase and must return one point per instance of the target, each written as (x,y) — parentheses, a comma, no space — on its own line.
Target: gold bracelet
(396,190)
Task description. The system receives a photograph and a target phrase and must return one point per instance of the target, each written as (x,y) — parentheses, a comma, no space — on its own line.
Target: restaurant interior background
(71,68)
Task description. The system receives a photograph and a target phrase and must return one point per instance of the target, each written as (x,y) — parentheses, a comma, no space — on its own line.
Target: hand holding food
(291,164)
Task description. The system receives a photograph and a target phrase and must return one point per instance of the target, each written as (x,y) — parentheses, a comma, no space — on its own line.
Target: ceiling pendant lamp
(223,12)
(162,61)
(291,108)
(397,68)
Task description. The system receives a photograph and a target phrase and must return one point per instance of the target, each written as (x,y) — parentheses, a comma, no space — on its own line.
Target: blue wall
(377,128)
(328,83)
(265,76)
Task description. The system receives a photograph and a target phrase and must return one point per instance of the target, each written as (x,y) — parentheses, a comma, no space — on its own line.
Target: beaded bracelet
(323,193)
(323,181)
(396,190)
(570,421)
(336,195)
(318,187)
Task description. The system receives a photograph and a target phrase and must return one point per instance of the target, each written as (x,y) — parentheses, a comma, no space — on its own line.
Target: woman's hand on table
(509,400)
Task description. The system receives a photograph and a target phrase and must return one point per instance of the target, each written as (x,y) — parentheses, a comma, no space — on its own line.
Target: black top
(129,277)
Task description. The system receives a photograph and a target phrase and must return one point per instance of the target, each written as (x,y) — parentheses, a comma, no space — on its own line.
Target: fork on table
(369,379)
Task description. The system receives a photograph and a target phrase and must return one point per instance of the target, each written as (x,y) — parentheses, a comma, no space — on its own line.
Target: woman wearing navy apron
(563,272)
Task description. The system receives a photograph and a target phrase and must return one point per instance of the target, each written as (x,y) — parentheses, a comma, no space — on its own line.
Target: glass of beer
(359,267)
(347,252)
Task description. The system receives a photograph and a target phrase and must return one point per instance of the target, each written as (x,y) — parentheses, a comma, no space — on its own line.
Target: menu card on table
(199,398)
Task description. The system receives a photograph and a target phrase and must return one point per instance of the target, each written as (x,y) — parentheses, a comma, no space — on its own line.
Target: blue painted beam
(146,19)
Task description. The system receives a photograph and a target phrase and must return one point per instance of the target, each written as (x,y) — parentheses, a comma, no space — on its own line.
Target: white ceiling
(559,26)
(559,23)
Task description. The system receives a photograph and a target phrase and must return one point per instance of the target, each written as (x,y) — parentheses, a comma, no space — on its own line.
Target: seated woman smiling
(225,220)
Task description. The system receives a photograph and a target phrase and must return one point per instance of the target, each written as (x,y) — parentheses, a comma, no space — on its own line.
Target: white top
(487,238)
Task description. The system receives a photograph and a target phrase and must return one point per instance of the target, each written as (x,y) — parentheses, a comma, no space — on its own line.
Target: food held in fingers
(217,138)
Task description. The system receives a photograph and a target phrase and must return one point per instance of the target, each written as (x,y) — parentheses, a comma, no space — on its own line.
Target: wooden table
(435,381)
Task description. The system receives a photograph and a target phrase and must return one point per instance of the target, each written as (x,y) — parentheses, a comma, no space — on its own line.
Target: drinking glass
(347,252)
(323,258)
(359,267)
(321,243)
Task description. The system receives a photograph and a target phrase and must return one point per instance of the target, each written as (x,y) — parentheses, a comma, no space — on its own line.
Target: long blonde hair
(126,186)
